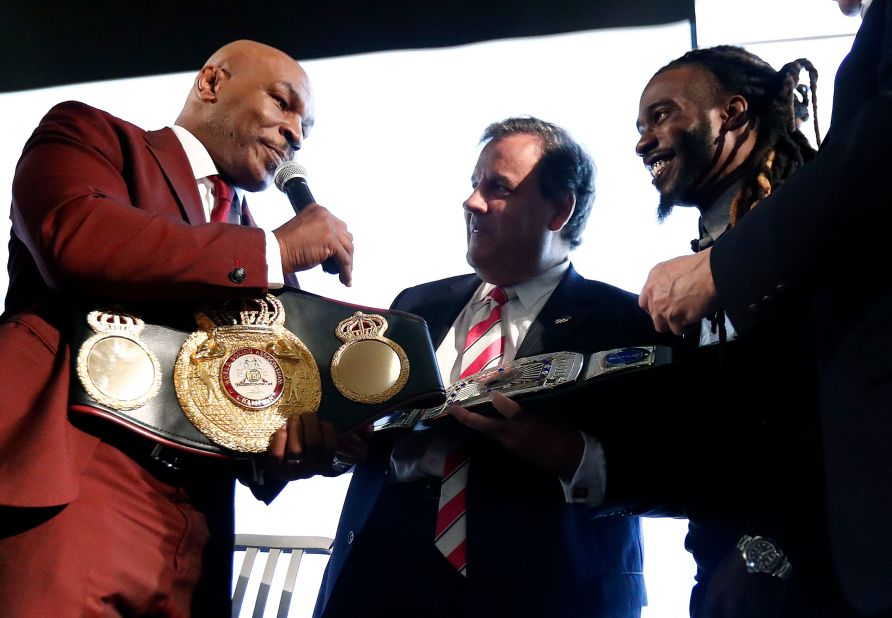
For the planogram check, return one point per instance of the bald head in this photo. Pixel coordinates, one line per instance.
(251, 106)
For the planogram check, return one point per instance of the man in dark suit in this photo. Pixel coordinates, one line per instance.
(528, 550)
(95, 520)
(718, 132)
(778, 266)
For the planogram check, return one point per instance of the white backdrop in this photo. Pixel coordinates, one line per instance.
(392, 153)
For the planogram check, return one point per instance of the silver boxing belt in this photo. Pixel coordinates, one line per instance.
(534, 376)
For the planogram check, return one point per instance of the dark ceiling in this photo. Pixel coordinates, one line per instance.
(44, 44)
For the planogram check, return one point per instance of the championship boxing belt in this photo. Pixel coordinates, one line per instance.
(222, 380)
(536, 377)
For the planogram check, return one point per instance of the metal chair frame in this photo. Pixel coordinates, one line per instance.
(252, 544)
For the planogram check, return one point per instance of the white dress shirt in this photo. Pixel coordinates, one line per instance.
(203, 166)
(418, 456)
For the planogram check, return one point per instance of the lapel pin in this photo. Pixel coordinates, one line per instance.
(563, 319)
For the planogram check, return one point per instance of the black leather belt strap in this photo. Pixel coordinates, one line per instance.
(313, 319)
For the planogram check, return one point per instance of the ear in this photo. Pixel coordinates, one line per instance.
(208, 82)
(565, 209)
(734, 114)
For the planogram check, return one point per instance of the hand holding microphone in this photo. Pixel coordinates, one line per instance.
(314, 236)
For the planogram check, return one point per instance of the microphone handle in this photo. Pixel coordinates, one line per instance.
(298, 192)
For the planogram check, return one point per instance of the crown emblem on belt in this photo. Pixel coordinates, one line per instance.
(115, 368)
(368, 368)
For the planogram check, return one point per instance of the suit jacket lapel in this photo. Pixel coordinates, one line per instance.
(555, 325)
(171, 157)
(441, 307)
(561, 316)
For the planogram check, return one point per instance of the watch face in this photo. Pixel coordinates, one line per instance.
(761, 555)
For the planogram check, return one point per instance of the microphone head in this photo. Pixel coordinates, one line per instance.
(286, 171)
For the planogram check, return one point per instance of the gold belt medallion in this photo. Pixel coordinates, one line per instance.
(115, 368)
(243, 374)
(368, 368)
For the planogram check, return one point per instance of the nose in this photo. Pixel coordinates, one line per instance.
(475, 202)
(293, 134)
(646, 143)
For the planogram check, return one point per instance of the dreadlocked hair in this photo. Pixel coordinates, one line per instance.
(777, 103)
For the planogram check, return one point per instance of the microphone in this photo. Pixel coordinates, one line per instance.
(291, 179)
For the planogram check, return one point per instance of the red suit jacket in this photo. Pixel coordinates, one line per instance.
(100, 208)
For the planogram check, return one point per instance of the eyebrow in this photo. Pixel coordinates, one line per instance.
(308, 122)
(663, 101)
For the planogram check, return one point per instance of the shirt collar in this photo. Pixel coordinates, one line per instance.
(199, 159)
(716, 219)
(532, 290)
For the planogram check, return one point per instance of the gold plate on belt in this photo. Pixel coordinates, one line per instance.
(243, 374)
(368, 368)
(115, 368)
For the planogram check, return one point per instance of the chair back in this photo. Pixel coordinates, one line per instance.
(274, 546)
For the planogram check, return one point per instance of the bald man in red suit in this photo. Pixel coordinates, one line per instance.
(90, 522)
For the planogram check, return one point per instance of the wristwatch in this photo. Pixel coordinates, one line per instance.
(762, 555)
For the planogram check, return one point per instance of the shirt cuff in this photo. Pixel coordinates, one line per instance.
(274, 275)
(588, 485)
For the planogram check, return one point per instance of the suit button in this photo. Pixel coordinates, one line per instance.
(237, 275)
(350, 537)
(754, 308)
(767, 300)
(781, 288)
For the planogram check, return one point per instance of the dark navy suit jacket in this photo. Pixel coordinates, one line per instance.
(815, 252)
(529, 553)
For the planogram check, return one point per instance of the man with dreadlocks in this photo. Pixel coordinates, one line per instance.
(718, 132)
(778, 266)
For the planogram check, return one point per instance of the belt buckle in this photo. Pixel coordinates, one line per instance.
(167, 457)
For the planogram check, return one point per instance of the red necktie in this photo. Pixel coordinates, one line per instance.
(484, 347)
(222, 199)
(485, 342)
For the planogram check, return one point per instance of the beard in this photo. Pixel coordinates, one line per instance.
(694, 157)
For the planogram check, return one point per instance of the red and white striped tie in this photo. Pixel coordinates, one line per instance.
(485, 342)
(484, 347)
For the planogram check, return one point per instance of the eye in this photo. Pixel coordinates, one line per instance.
(660, 115)
(280, 101)
(500, 188)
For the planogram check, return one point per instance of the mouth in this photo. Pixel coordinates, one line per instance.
(474, 228)
(278, 153)
(656, 165)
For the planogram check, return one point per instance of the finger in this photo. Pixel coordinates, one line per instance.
(365, 431)
(644, 299)
(678, 327)
(276, 451)
(359, 454)
(505, 406)
(647, 300)
(351, 453)
(346, 238)
(660, 323)
(352, 444)
(345, 261)
(477, 422)
(646, 296)
(355, 445)
(329, 437)
(312, 432)
(294, 449)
